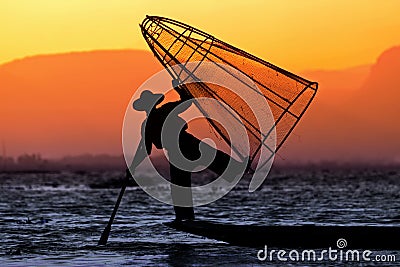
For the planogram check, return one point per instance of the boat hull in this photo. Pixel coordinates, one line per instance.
(299, 236)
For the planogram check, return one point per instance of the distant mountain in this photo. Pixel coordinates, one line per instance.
(378, 108)
(74, 103)
(354, 116)
(69, 104)
(381, 91)
(336, 86)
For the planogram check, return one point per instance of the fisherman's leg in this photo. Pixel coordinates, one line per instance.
(220, 164)
(182, 178)
(190, 146)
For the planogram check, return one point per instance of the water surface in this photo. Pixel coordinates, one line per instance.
(77, 206)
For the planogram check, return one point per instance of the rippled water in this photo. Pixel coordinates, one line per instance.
(78, 209)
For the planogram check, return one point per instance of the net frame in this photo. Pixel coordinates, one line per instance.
(153, 27)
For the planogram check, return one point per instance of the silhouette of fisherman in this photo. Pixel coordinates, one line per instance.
(187, 145)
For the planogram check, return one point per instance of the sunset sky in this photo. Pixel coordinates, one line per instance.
(58, 103)
(297, 35)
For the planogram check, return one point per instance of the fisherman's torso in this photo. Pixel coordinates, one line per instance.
(162, 127)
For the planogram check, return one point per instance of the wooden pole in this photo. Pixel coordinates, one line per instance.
(107, 229)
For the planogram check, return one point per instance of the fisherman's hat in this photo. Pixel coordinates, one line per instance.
(147, 101)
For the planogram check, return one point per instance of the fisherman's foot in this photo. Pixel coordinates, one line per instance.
(178, 220)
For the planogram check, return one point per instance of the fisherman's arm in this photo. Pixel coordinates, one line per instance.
(140, 155)
(142, 152)
(182, 90)
(185, 97)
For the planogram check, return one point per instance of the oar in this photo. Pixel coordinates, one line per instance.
(107, 230)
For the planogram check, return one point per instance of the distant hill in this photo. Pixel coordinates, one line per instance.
(338, 85)
(354, 116)
(74, 103)
(69, 104)
(381, 91)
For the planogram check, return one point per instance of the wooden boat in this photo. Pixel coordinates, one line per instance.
(298, 236)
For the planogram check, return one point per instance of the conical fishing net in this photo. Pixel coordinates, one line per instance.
(287, 94)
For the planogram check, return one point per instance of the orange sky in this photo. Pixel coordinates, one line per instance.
(296, 35)
(53, 103)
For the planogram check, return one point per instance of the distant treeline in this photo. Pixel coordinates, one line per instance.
(86, 162)
(104, 162)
